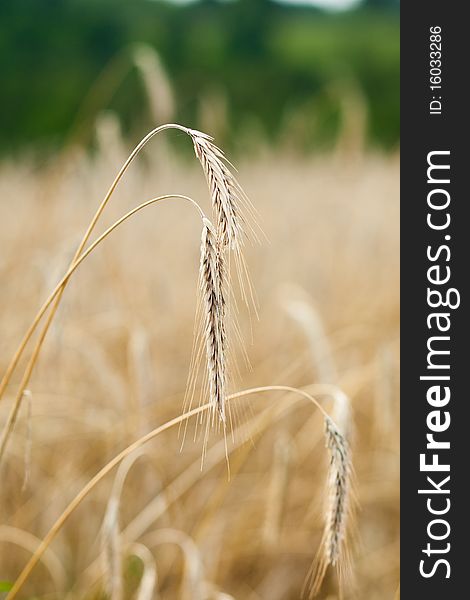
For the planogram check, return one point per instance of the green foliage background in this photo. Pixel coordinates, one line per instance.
(269, 60)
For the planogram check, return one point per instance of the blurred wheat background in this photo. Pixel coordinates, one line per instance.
(116, 360)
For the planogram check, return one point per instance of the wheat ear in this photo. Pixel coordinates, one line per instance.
(226, 194)
(212, 284)
(235, 217)
(334, 548)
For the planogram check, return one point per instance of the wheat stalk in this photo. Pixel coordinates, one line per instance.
(29, 543)
(111, 550)
(111, 541)
(148, 582)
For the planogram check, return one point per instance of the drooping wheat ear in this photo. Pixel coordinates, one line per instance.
(235, 217)
(226, 194)
(212, 282)
(334, 545)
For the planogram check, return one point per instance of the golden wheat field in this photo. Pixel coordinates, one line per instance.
(115, 363)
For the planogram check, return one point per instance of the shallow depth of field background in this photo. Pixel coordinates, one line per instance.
(306, 105)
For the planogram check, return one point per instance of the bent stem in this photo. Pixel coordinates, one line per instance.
(53, 531)
(87, 489)
(56, 294)
(16, 357)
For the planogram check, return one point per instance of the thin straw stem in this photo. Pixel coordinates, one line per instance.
(16, 357)
(58, 290)
(87, 489)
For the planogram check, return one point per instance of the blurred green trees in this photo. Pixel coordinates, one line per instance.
(279, 69)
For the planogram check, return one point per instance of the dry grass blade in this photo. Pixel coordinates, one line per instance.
(276, 491)
(29, 542)
(193, 578)
(57, 526)
(148, 582)
(111, 544)
(334, 546)
(29, 441)
(300, 307)
(111, 535)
